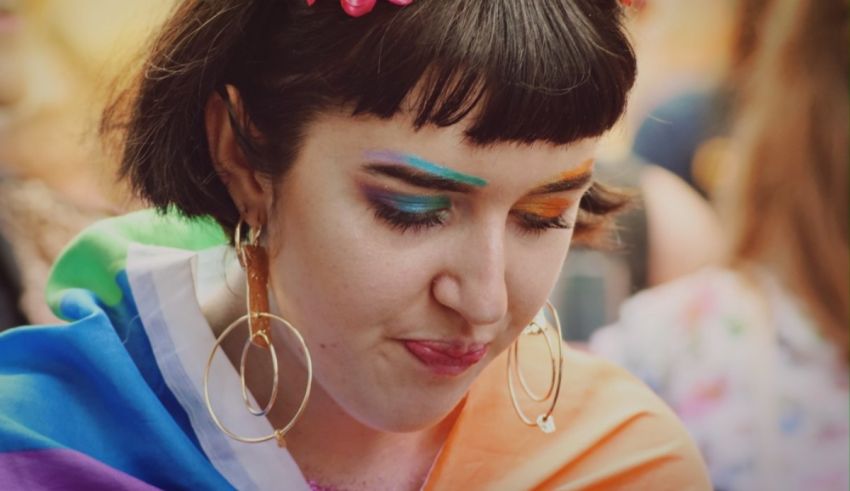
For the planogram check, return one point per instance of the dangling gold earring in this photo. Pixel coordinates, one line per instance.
(544, 421)
(253, 257)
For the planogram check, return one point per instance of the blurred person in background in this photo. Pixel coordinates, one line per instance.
(754, 356)
(686, 132)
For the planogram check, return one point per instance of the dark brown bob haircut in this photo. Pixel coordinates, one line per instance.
(521, 71)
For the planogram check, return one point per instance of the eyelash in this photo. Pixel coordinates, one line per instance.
(404, 221)
(535, 224)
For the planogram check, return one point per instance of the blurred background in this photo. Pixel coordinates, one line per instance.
(58, 63)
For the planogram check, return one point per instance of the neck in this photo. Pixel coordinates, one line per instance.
(335, 450)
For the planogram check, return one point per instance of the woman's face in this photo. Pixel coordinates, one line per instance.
(410, 259)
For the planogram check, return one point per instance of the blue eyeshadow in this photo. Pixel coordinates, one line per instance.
(409, 203)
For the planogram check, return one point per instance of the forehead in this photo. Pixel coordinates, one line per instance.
(345, 140)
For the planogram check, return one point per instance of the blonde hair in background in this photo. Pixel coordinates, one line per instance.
(789, 203)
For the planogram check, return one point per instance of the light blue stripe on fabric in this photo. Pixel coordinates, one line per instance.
(75, 386)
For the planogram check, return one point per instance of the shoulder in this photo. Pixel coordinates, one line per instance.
(612, 432)
(75, 403)
(683, 230)
(628, 437)
(60, 402)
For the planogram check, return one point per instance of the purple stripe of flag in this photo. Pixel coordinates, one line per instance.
(59, 468)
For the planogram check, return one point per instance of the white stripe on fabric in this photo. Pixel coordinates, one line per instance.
(164, 288)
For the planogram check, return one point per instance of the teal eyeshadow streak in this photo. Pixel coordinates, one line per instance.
(409, 203)
(429, 167)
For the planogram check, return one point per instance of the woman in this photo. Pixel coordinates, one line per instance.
(753, 357)
(401, 186)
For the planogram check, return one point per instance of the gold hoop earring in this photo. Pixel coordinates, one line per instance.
(254, 259)
(544, 421)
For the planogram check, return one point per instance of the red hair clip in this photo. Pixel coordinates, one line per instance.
(635, 4)
(356, 8)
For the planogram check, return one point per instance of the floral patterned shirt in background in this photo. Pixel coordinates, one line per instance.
(762, 393)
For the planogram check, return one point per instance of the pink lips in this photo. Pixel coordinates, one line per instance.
(446, 358)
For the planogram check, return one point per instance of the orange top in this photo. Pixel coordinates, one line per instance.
(612, 433)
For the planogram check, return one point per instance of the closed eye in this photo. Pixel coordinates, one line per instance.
(532, 223)
(405, 211)
(537, 213)
(404, 220)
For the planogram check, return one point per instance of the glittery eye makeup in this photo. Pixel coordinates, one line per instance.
(542, 209)
(408, 203)
(404, 211)
(539, 213)
(543, 206)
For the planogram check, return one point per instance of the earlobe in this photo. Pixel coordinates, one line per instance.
(248, 190)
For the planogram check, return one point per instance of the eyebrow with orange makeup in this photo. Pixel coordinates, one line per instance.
(537, 202)
(568, 180)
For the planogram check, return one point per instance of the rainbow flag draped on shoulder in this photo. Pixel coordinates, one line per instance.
(101, 402)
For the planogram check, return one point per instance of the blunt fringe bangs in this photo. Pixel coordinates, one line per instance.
(527, 71)
(530, 71)
(524, 71)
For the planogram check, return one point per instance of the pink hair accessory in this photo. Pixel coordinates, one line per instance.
(635, 4)
(357, 8)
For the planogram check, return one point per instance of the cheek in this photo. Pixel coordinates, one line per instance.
(534, 265)
(334, 272)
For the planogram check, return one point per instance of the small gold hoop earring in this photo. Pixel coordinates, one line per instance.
(254, 259)
(544, 421)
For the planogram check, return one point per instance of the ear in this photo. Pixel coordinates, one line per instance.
(250, 191)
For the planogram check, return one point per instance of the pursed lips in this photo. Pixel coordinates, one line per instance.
(446, 357)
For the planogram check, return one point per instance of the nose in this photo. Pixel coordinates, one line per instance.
(474, 282)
